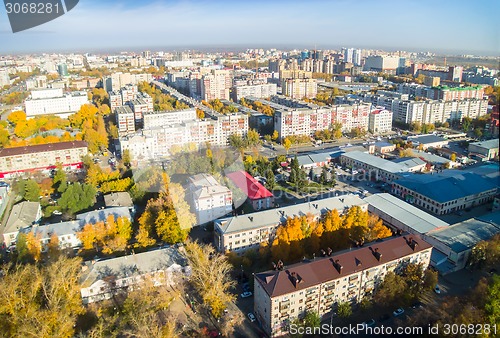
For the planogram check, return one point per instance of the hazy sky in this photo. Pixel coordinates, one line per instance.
(439, 25)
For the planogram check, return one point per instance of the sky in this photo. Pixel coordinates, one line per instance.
(442, 26)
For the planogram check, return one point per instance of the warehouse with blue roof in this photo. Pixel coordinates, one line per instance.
(445, 192)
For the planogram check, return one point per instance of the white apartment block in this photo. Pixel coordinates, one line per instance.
(118, 80)
(142, 104)
(303, 121)
(115, 100)
(168, 118)
(380, 121)
(259, 91)
(210, 199)
(125, 120)
(4, 78)
(299, 88)
(243, 232)
(287, 293)
(53, 101)
(162, 130)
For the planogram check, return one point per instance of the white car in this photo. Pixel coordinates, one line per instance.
(56, 212)
(251, 317)
(437, 289)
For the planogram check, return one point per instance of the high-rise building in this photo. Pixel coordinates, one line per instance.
(379, 63)
(216, 85)
(4, 78)
(62, 69)
(125, 120)
(380, 121)
(299, 88)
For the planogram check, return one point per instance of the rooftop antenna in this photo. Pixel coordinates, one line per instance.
(445, 61)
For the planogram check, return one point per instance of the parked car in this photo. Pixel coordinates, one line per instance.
(398, 312)
(417, 305)
(437, 289)
(368, 323)
(56, 212)
(251, 316)
(246, 294)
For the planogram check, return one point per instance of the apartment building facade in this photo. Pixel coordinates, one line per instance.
(299, 88)
(54, 101)
(380, 121)
(282, 295)
(43, 157)
(125, 120)
(243, 232)
(256, 90)
(210, 199)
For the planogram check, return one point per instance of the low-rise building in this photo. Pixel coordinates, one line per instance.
(445, 192)
(373, 167)
(257, 195)
(210, 199)
(428, 141)
(103, 279)
(23, 215)
(281, 296)
(455, 243)
(413, 164)
(42, 157)
(485, 150)
(243, 232)
(54, 102)
(66, 233)
(402, 216)
(384, 147)
(119, 199)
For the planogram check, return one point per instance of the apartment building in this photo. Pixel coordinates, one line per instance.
(445, 192)
(380, 121)
(243, 232)
(118, 80)
(125, 120)
(216, 85)
(380, 63)
(162, 130)
(4, 77)
(168, 118)
(282, 295)
(54, 101)
(456, 93)
(115, 100)
(306, 119)
(43, 157)
(257, 90)
(209, 198)
(142, 104)
(299, 88)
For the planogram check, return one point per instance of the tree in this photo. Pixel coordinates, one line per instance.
(32, 191)
(492, 305)
(391, 292)
(109, 236)
(453, 157)
(430, 279)
(466, 123)
(77, 197)
(287, 144)
(270, 180)
(312, 319)
(275, 135)
(60, 180)
(200, 113)
(478, 132)
(210, 276)
(17, 117)
(344, 309)
(41, 301)
(252, 138)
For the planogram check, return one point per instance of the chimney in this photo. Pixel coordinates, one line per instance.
(377, 254)
(329, 250)
(250, 218)
(338, 266)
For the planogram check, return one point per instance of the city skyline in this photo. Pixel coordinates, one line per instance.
(415, 25)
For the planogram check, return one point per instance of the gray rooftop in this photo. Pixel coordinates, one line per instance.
(427, 139)
(491, 144)
(101, 215)
(376, 162)
(22, 215)
(118, 199)
(465, 235)
(59, 229)
(135, 264)
(405, 213)
(276, 216)
(430, 157)
(409, 162)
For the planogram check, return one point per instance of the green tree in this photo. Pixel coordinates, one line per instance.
(312, 319)
(270, 180)
(77, 197)
(60, 180)
(344, 309)
(466, 123)
(492, 305)
(32, 191)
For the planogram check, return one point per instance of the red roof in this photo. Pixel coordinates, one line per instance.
(249, 185)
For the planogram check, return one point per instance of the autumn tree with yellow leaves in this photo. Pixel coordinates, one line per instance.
(109, 236)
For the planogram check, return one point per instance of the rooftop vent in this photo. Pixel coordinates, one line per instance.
(250, 218)
(377, 254)
(337, 266)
